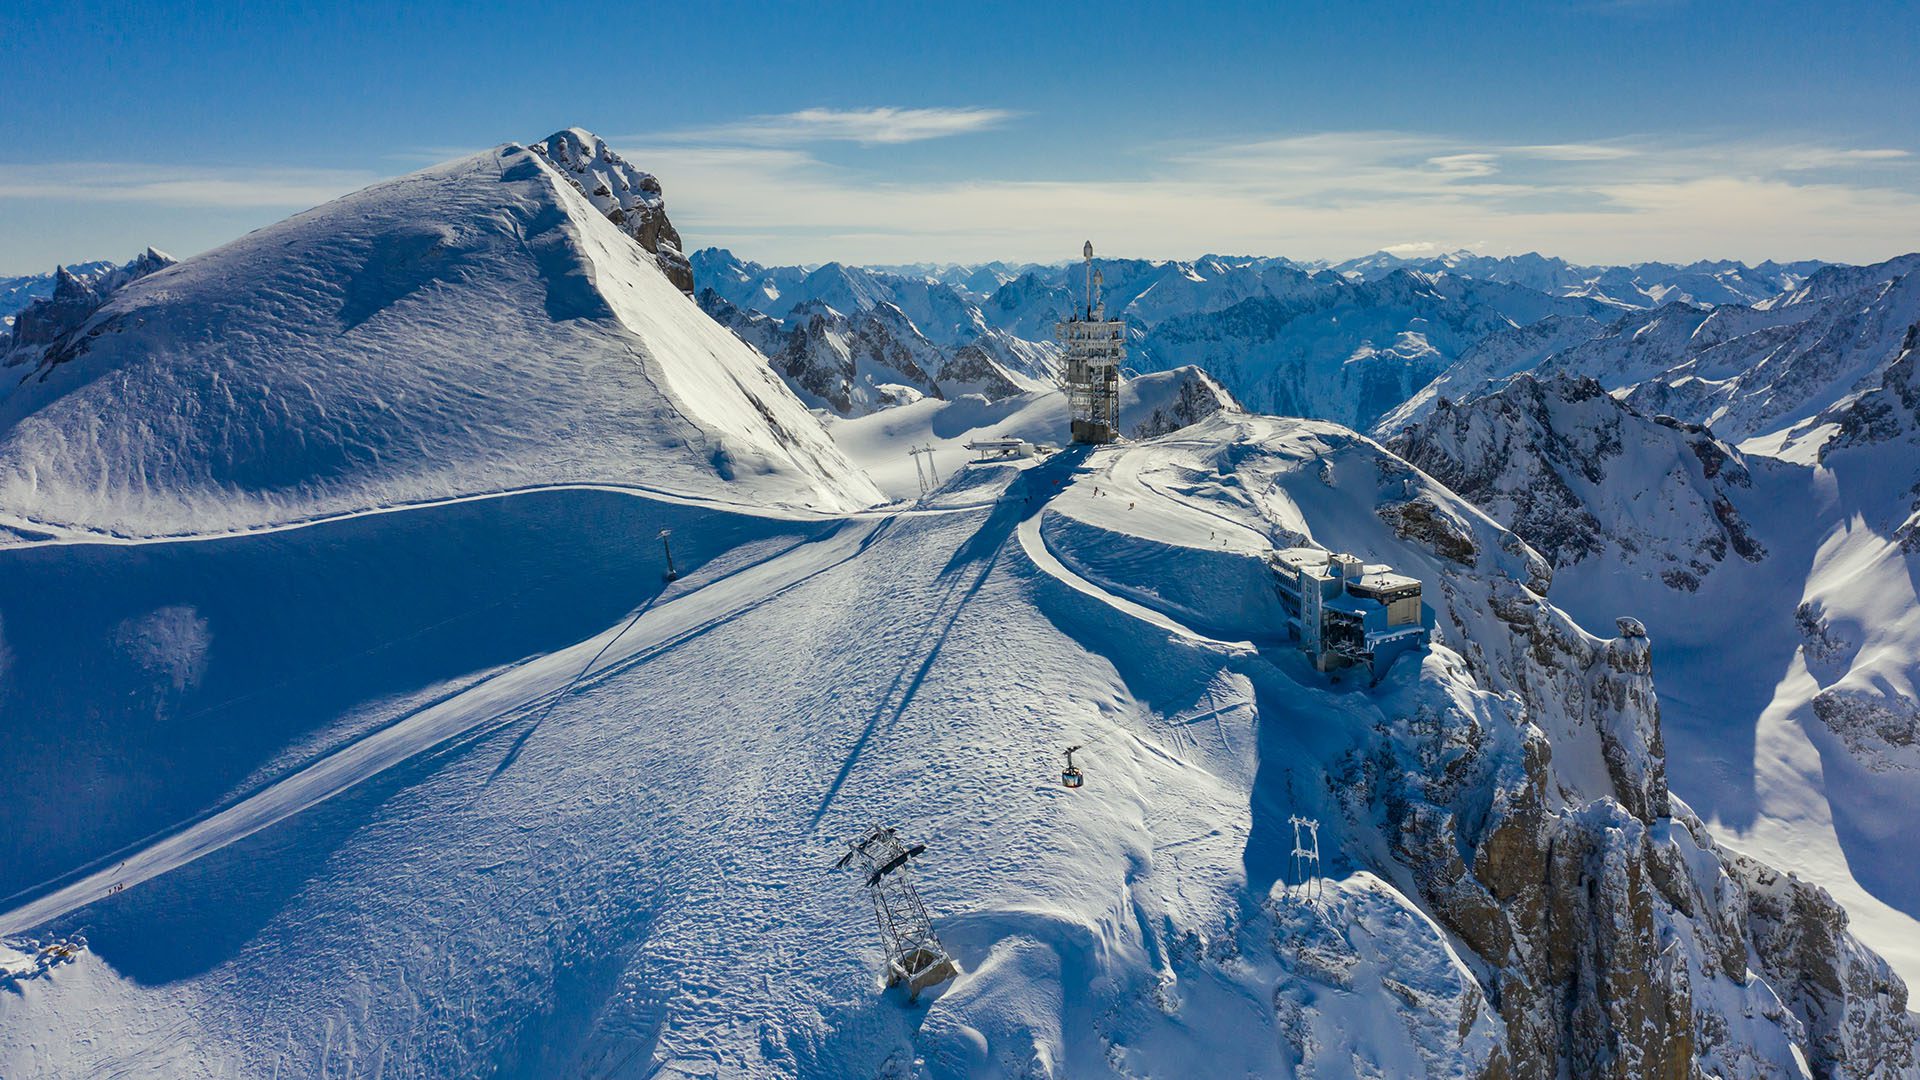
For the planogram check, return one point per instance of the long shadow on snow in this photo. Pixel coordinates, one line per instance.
(197, 917)
(1025, 497)
(148, 683)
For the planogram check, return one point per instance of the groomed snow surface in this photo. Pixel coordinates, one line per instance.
(372, 820)
(447, 869)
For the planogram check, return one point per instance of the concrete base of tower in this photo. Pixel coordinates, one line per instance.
(1093, 432)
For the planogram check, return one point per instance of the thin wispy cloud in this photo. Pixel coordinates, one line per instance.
(176, 185)
(876, 126)
(1328, 194)
(1815, 157)
(1573, 151)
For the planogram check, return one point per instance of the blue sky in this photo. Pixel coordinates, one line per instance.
(1610, 130)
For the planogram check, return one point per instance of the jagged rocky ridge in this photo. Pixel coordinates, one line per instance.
(1281, 338)
(44, 332)
(1752, 370)
(1640, 285)
(629, 198)
(876, 357)
(18, 292)
(1513, 791)
(1579, 474)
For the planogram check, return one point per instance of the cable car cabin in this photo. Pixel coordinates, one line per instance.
(1070, 777)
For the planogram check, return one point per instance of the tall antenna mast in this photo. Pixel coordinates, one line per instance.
(1088, 252)
(1096, 346)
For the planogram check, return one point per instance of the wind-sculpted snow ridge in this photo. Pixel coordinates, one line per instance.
(609, 857)
(474, 327)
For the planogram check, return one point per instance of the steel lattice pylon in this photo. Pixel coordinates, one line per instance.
(1096, 346)
(915, 956)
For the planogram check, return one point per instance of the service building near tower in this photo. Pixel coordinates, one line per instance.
(1345, 611)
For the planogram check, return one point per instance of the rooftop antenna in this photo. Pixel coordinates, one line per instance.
(1088, 252)
(915, 956)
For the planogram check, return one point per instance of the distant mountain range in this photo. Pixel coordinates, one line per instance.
(452, 631)
(1373, 341)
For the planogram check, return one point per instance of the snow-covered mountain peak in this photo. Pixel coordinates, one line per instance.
(1580, 475)
(628, 196)
(476, 326)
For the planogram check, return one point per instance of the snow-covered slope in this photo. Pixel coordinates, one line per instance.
(508, 869)
(1748, 371)
(473, 327)
(1339, 350)
(1150, 405)
(1485, 365)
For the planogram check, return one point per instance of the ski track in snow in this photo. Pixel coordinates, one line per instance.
(499, 700)
(509, 696)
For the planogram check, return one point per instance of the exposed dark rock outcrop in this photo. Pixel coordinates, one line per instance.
(49, 331)
(630, 198)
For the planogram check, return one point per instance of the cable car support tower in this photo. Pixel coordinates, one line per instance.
(915, 956)
(1096, 347)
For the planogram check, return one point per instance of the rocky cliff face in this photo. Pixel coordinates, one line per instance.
(1619, 939)
(628, 197)
(1581, 475)
(1509, 887)
(875, 358)
(46, 331)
